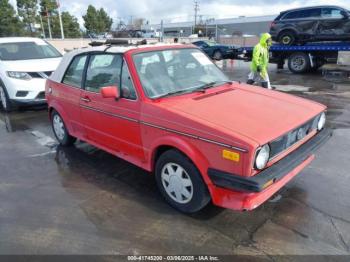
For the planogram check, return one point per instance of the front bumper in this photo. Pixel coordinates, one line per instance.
(230, 54)
(247, 193)
(28, 102)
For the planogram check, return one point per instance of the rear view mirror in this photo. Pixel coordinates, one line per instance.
(344, 14)
(110, 92)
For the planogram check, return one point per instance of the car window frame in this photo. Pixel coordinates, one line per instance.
(302, 18)
(124, 62)
(84, 70)
(87, 65)
(332, 18)
(89, 54)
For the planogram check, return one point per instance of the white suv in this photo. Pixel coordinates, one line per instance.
(25, 64)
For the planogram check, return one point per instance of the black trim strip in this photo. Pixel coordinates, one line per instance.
(166, 129)
(272, 174)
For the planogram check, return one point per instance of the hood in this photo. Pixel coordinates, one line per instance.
(258, 114)
(32, 65)
(263, 39)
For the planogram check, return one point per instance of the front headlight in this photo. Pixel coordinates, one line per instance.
(321, 122)
(262, 157)
(19, 75)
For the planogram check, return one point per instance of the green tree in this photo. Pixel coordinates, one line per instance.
(97, 21)
(48, 9)
(71, 26)
(104, 20)
(10, 25)
(90, 20)
(27, 10)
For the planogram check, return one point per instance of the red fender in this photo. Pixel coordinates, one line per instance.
(187, 148)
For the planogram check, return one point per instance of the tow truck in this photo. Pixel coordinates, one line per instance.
(300, 58)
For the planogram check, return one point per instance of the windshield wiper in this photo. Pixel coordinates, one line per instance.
(200, 88)
(173, 93)
(206, 86)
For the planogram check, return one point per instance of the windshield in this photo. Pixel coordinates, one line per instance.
(211, 43)
(176, 70)
(27, 50)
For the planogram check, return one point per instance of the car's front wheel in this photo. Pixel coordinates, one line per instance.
(60, 130)
(180, 182)
(217, 55)
(4, 99)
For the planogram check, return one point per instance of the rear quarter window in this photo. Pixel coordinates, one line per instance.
(74, 73)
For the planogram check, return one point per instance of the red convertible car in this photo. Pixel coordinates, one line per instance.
(170, 110)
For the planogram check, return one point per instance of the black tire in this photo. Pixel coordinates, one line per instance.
(287, 38)
(200, 194)
(217, 55)
(65, 139)
(299, 63)
(5, 102)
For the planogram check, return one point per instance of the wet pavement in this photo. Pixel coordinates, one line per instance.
(81, 200)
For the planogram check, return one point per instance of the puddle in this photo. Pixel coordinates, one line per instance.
(292, 88)
(10, 124)
(43, 139)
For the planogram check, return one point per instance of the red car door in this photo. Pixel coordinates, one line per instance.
(68, 95)
(110, 123)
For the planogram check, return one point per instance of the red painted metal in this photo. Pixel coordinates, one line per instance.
(236, 117)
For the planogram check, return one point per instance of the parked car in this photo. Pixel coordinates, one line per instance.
(311, 24)
(25, 64)
(170, 110)
(216, 51)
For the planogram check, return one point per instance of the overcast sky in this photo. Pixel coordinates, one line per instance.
(183, 10)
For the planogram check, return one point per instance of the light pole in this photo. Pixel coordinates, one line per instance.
(60, 17)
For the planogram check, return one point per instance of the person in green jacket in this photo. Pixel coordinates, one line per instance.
(260, 62)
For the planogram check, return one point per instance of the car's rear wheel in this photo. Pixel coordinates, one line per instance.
(299, 63)
(180, 182)
(60, 130)
(4, 99)
(217, 55)
(287, 38)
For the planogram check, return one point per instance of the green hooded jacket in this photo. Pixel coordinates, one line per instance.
(261, 55)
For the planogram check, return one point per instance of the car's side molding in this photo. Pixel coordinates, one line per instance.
(243, 150)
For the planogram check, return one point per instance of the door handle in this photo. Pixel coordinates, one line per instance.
(85, 99)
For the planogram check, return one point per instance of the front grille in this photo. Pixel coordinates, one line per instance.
(284, 142)
(41, 95)
(34, 75)
(45, 74)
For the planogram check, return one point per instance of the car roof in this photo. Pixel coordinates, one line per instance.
(312, 7)
(20, 39)
(109, 49)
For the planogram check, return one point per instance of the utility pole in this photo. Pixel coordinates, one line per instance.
(161, 37)
(48, 23)
(60, 18)
(196, 10)
(42, 26)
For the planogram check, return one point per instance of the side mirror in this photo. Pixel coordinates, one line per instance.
(344, 14)
(110, 92)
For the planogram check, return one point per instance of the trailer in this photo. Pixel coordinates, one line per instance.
(300, 58)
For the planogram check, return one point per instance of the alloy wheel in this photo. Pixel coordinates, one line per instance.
(286, 40)
(298, 63)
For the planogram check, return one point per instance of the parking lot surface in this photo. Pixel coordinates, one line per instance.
(81, 200)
